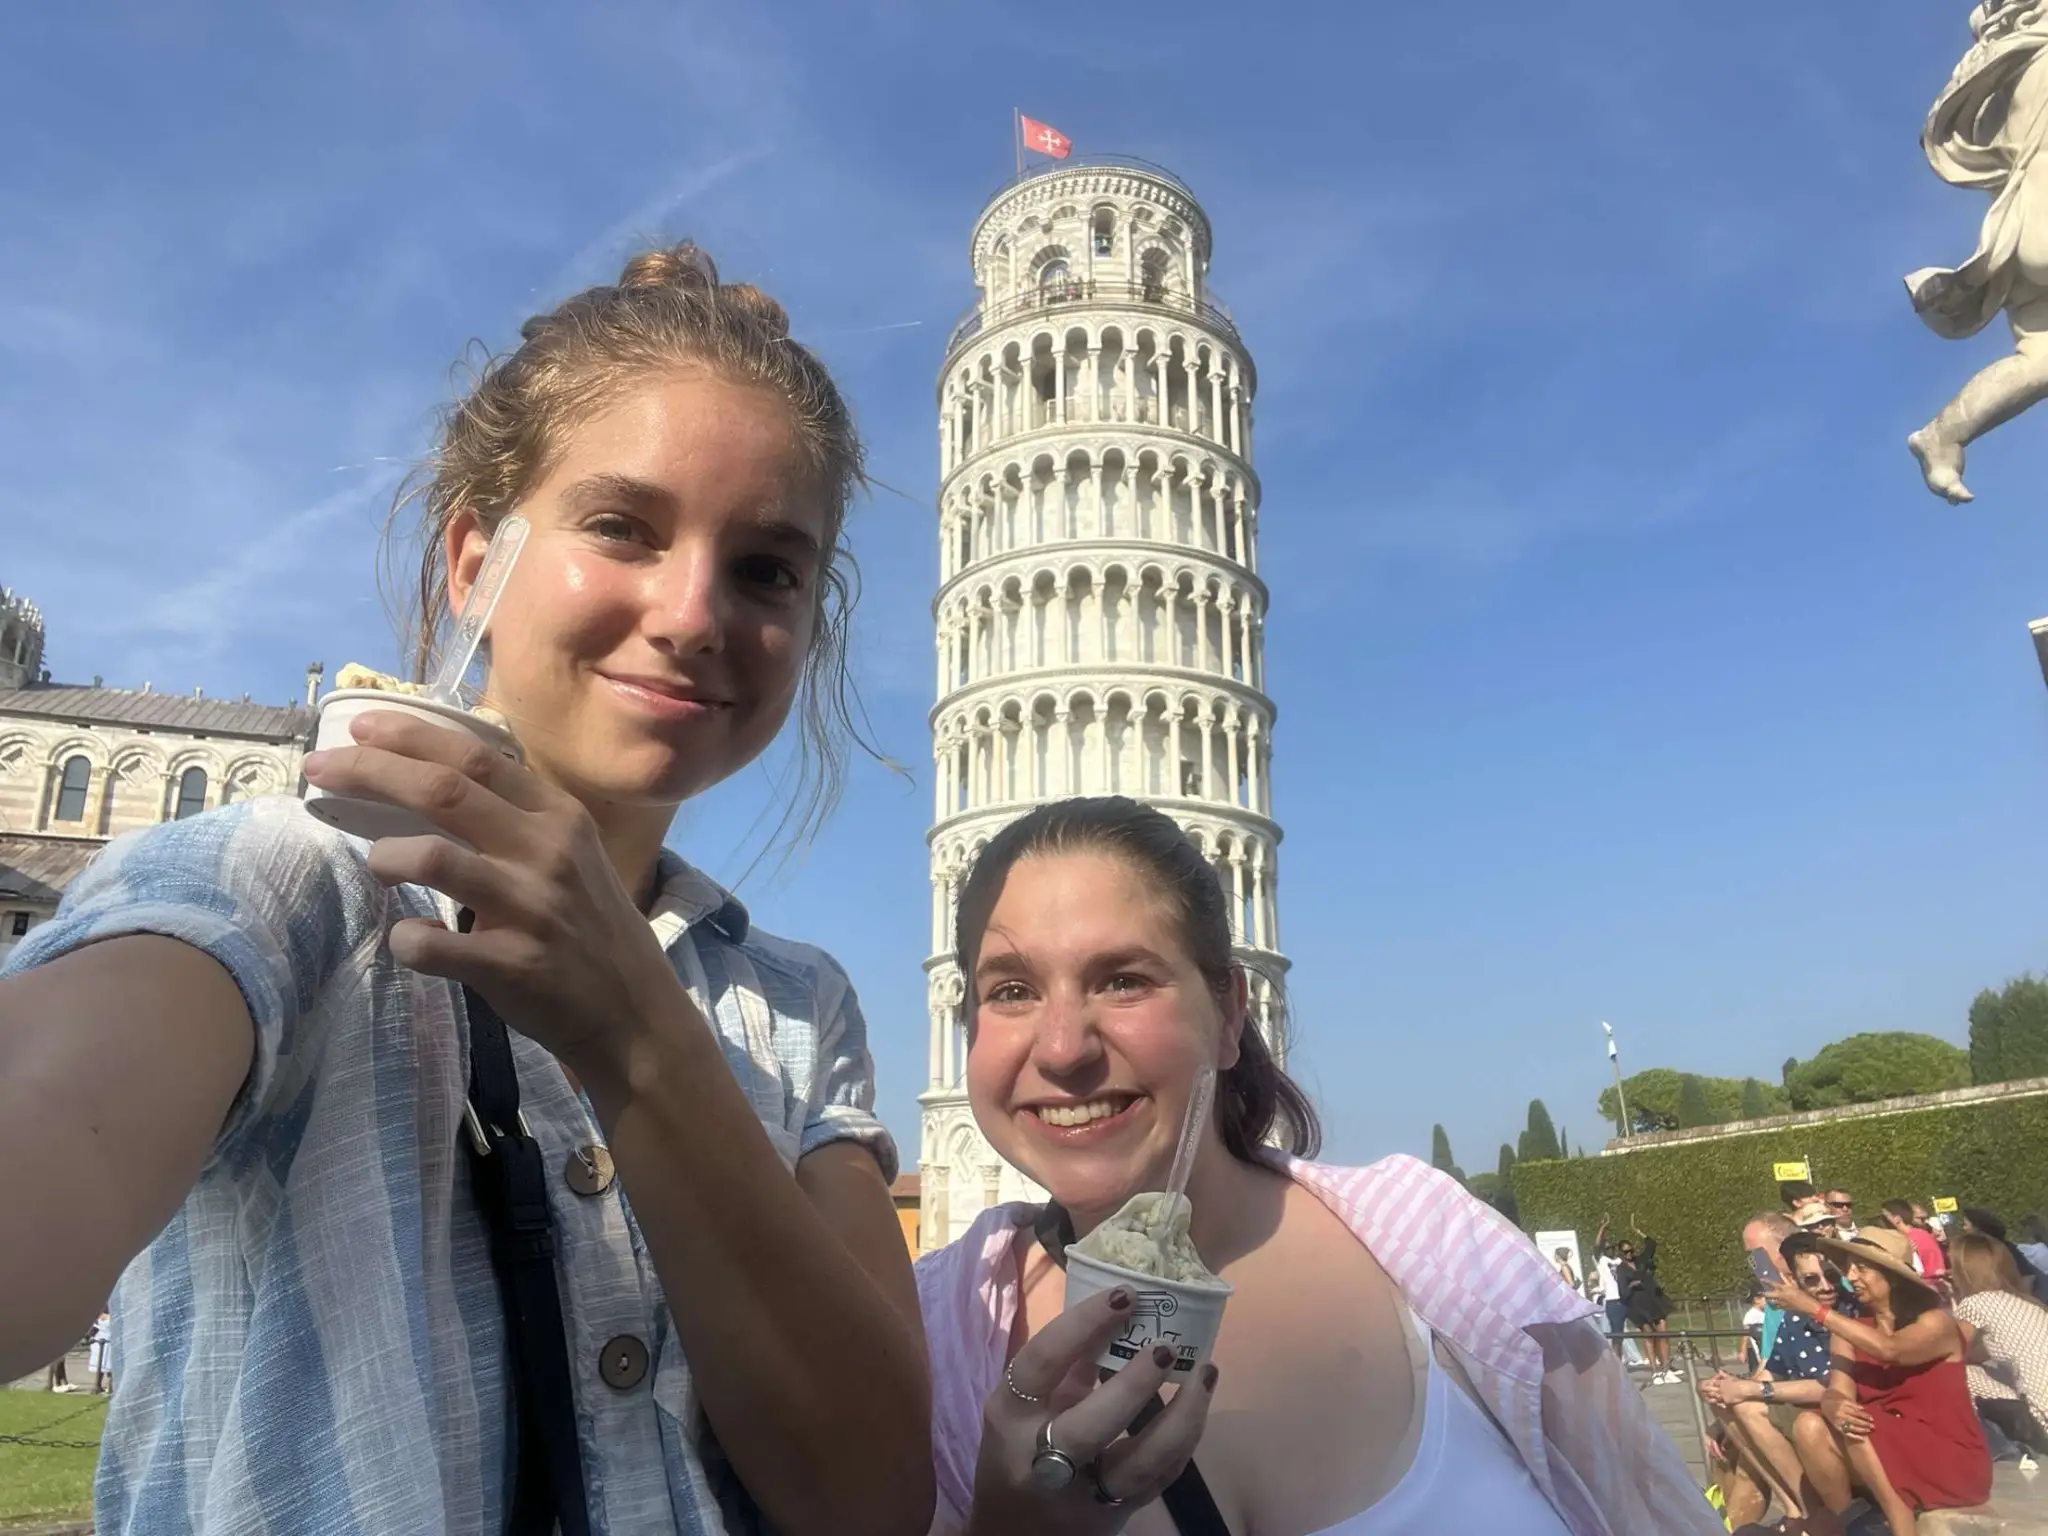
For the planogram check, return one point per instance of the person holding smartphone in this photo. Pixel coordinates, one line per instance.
(1756, 1414)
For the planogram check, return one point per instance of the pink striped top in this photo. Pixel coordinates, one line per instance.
(1539, 1366)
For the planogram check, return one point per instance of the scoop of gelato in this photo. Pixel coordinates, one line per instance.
(1149, 1236)
(355, 675)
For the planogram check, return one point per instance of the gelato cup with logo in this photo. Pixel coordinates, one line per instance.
(361, 692)
(1176, 1301)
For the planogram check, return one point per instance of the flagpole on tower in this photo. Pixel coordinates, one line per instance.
(1017, 129)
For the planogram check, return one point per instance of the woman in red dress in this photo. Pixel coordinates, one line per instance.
(1897, 1421)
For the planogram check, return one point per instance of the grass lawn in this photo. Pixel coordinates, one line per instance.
(48, 1484)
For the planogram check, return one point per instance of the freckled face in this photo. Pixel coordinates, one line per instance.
(652, 636)
(1091, 1024)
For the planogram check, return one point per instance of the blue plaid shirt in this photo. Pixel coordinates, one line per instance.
(315, 1343)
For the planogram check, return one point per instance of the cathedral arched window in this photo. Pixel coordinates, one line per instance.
(71, 788)
(191, 793)
(1053, 279)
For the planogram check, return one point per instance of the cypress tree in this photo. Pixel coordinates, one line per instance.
(1539, 1141)
(1440, 1153)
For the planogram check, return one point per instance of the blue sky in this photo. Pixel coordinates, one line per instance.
(1624, 669)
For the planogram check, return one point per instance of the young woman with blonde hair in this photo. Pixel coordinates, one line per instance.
(253, 1044)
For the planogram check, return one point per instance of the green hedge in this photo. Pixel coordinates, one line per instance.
(1694, 1199)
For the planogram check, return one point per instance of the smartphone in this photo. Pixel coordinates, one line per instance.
(1760, 1264)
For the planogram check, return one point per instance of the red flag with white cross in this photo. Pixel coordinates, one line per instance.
(1046, 139)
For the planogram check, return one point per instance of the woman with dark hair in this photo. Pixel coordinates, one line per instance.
(1897, 1420)
(1356, 1385)
(2008, 1334)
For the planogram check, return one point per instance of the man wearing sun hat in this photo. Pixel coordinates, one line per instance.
(1905, 1431)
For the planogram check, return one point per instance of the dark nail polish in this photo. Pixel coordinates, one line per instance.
(1162, 1356)
(1209, 1375)
(1120, 1299)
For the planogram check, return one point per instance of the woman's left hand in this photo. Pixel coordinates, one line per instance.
(1789, 1297)
(558, 945)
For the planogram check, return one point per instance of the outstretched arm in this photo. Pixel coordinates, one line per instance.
(118, 1063)
(1929, 1337)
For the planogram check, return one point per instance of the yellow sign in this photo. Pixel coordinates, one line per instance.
(1785, 1173)
(1944, 1205)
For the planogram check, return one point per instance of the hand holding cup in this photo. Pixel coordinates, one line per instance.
(1054, 1453)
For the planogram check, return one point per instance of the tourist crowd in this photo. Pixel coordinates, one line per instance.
(1892, 1359)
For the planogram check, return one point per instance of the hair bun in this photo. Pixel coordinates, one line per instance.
(686, 269)
(757, 307)
(681, 266)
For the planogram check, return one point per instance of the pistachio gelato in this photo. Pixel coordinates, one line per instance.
(356, 675)
(1149, 1236)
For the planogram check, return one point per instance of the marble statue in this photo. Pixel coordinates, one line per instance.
(1989, 129)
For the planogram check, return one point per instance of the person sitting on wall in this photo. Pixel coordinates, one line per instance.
(1753, 1331)
(1756, 1415)
(1928, 1259)
(1793, 1193)
(2008, 1333)
(1976, 1219)
(1896, 1420)
(1842, 1206)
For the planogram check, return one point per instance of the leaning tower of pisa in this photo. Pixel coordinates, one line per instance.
(1100, 616)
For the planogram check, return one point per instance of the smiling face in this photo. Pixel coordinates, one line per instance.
(1810, 1274)
(652, 636)
(1091, 1024)
(1873, 1287)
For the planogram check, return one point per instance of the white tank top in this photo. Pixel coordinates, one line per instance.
(1465, 1475)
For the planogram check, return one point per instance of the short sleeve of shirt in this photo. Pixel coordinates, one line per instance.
(276, 898)
(842, 1104)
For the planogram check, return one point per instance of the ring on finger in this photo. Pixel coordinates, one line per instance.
(1010, 1381)
(1051, 1468)
(1102, 1494)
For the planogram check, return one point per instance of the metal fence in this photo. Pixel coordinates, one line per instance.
(1697, 1353)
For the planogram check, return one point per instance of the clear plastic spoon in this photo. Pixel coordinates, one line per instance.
(1190, 1136)
(475, 617)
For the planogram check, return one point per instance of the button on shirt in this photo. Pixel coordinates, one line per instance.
(1802, 1350)
(315, 1343)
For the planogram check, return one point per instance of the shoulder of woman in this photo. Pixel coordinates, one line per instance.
(266, 867)
(798, 964)
(967, 1264)
(1423, 1225)
(965, 1291)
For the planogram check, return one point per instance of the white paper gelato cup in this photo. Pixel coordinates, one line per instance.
(376, 818)
(1181, 1315)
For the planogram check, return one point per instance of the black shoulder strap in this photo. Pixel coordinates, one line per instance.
(511, 1190)
(1188, 1501)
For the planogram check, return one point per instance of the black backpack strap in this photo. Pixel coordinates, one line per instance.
(1188, 1501)
(510, 1181)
